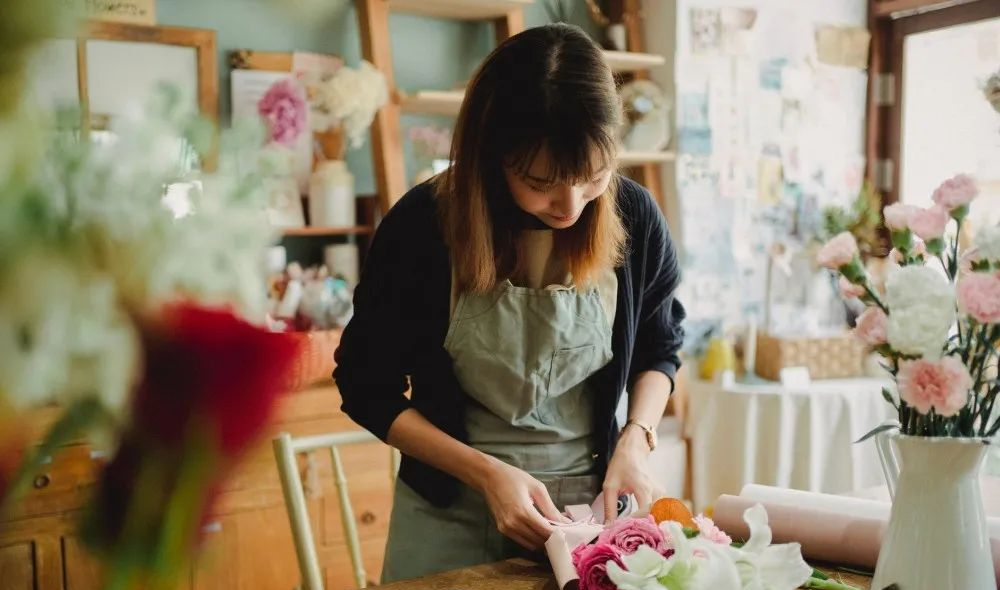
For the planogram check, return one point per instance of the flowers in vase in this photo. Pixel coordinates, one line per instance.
(938, 328)
(347, 98)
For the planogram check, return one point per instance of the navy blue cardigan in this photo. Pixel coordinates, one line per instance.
(402, 312)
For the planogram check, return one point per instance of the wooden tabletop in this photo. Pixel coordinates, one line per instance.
(518, 574)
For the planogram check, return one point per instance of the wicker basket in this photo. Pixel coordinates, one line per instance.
(315, 362)
(826, 358)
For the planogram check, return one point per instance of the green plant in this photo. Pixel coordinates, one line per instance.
(861, 219)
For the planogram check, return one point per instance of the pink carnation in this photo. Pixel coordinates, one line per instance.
(942, 385)
(956, 192)
(849, 290)
(979, 296)
(838, 252)
(591, 563)
(871, 327)
(897, 216)
(284, 110)
(929, 223)
(711, 532)
(627, 534)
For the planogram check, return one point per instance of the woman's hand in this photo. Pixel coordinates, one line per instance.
(520, 504)
(628, 473)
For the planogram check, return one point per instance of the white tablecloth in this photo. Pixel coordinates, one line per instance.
(801, 438)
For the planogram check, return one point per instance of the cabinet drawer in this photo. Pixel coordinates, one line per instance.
(62, 484)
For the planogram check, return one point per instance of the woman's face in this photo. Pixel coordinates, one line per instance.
(557, 205)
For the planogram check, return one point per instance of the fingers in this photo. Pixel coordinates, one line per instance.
(644, 497)
(610, 502)
(540, 496)
(526, 527)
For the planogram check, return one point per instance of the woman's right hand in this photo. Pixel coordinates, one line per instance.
(520, 504)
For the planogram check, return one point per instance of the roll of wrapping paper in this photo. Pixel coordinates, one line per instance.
(832, 529)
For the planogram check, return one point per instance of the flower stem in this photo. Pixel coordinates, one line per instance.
(875, 298)
(827, 585)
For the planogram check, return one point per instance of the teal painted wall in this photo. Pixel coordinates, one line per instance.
(427, 53)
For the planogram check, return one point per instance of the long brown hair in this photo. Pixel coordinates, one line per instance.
(545, 88)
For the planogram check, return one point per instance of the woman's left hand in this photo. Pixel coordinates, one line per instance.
(628, 473)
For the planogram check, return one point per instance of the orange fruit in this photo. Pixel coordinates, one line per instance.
(666, 509)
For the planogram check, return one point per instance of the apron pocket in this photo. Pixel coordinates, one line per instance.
(570, 367)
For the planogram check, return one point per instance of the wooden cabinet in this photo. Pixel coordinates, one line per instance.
(248, 540)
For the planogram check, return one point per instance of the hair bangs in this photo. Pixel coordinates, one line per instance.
(571, 160)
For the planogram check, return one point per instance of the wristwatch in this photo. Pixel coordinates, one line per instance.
(651, 438)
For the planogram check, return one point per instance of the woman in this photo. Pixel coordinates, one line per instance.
(518, 295)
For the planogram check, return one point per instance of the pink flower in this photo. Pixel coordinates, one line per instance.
(871, 327)
(956, 192)
(849, 290)
(708, 530)
(929, 223)
(839, 251)
(942, 385)
(897, 216)
(591, 562)
(979, 296)
(628, 533)
(284, 110)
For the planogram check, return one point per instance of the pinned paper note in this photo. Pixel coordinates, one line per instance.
(843, 46)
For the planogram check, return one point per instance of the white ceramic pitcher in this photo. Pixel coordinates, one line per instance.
(937, 537)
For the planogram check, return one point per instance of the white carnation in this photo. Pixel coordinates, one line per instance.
(918, 286)
(987, 243)
(920, 330)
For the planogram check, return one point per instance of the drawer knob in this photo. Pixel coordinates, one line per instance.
(367, 517)
(41, 481)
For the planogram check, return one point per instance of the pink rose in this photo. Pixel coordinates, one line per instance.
(284, 110)
(979, 296)
(839, 251)
(942, 385)
(871, 327)
(849, 290)
(628, 533)
(711, 532)
(591, 563)
(956, 192)
(897, 216)
(929, 223)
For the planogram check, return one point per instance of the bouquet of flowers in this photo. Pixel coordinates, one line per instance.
(938, 322)
(669, 549)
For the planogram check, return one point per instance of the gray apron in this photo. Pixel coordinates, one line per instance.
(523, 356)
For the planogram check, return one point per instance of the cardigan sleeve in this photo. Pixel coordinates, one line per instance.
(659, 334)
(372, 359)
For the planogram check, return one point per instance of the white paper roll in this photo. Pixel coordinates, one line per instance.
(342, 259)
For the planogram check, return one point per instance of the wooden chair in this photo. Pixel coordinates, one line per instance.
(286, 448)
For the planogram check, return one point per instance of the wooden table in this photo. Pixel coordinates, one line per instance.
(518, 574)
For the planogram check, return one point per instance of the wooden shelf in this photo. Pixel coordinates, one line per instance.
(358, 230)
(639, 158)
(630, 61)
(459, 9)
(432, 102)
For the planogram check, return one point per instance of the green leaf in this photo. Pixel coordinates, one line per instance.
(887, 396)
(878, 430)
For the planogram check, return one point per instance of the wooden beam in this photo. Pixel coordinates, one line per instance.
(387, 148)
(508, 25)
(896, 8)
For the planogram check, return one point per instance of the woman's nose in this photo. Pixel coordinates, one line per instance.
(568, 199)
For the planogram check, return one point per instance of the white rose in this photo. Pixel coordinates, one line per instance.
(918, 286)
(987, 242)
(920, 330)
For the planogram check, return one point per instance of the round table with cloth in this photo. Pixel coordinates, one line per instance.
(794, 437)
